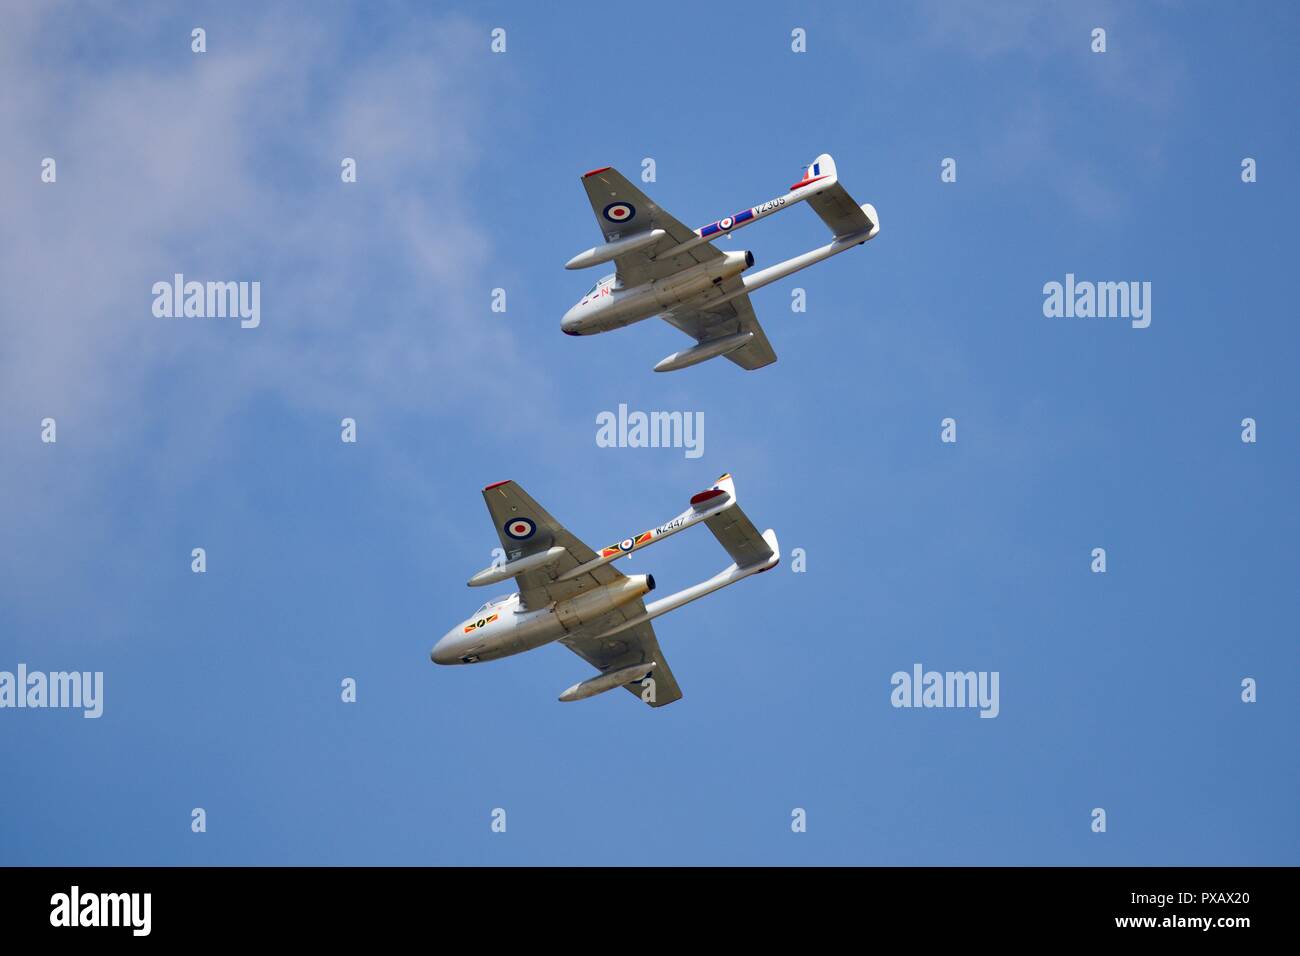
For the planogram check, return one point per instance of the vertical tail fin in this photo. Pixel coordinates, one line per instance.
(821, 168)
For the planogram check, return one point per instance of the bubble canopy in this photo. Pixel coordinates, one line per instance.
(497, 600)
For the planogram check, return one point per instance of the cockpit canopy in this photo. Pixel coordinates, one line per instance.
(503, 599)
(603, 280)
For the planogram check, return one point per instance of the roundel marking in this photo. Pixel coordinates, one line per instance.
(619, 211)
(626, 544)
(519, 528)
(725, 224)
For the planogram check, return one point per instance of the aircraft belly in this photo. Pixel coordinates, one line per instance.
(621, 314)
(541, 629)
(670, 295)
(520, 636)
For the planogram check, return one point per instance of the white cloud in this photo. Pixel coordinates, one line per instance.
(225, 166)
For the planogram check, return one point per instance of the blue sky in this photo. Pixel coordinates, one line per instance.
(325, 560)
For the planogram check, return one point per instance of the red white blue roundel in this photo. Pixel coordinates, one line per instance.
(725, 224)
(519, 528)
(619, 211)
(627, 544)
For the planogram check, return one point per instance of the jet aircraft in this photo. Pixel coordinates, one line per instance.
(571, 594)
(663, 268)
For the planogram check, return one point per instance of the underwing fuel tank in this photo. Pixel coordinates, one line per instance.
(491, 575)
(617, 247)
(603, 682)
(710, 348)
(591, 605)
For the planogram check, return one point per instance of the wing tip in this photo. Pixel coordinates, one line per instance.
(497, 484)
(593, 172)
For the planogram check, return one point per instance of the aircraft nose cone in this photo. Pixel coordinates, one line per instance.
(444, 652)
(570, 324)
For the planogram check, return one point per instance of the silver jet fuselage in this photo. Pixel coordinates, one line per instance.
(503, 627)
(609, 305)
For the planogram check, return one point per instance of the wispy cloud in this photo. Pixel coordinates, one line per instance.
(1140, 77)
(225, 166)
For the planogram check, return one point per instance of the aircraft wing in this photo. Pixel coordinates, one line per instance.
(733, 316)
(636, 645)
(622, 210)
(525, 528)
